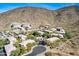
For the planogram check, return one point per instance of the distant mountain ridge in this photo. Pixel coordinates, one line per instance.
(64, 17)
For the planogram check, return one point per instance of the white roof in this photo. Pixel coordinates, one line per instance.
(39, 38)
(9, 48)
(26, 25)
(61, 36)
(17, 31)
(15, 24)
(41, 32)
(12, 39)
(53, 29)
(23, 37)
(61, 30)
(54, 34)
(48, 31)
(53, 39)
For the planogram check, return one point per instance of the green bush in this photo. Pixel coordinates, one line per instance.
(18, 40)
(1, 43)
(15, 52)
(28, 49)
(17, 45)
(30, 36)
(29, 46)
(4, 42)
(19, 51)
(36, 33)
(46, 35)
(67, 35)
(22, 50)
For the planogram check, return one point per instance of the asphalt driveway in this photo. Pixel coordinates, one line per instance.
(37, 50)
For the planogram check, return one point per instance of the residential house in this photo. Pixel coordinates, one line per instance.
(60, 30)
(26, 26)
(12, 39)
(9, 48)
(22, 37)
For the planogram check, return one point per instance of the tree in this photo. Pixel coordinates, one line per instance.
(1, 43)
(22, 50)
(4, 42)
(19, 51)
(28, 49)
(18, 40)
(35, 33)
(15, 52)
(29, 46)
(46, 35)
(30, 36)
(17, 45)
(67, 35)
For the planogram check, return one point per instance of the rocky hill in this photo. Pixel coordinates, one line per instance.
(66, 16)
(34, 16)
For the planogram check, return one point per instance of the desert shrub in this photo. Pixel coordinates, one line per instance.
(30, 36)
(35, 39)
(22, 50)
(67, 35)
(1, 43)
(15, 52)
(18, 40)
(19, 51)
(29, 46)
(28, 49)
(4, 42)
(49, 53)
(17, 45)
(35, 33)
(46, 35)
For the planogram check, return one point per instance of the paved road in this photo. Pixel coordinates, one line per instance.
(2, 52)
(37, 50)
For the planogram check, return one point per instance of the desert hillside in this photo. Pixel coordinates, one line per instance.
(66, 17)
(34, 16)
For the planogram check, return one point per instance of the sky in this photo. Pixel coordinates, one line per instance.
(51, 6)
